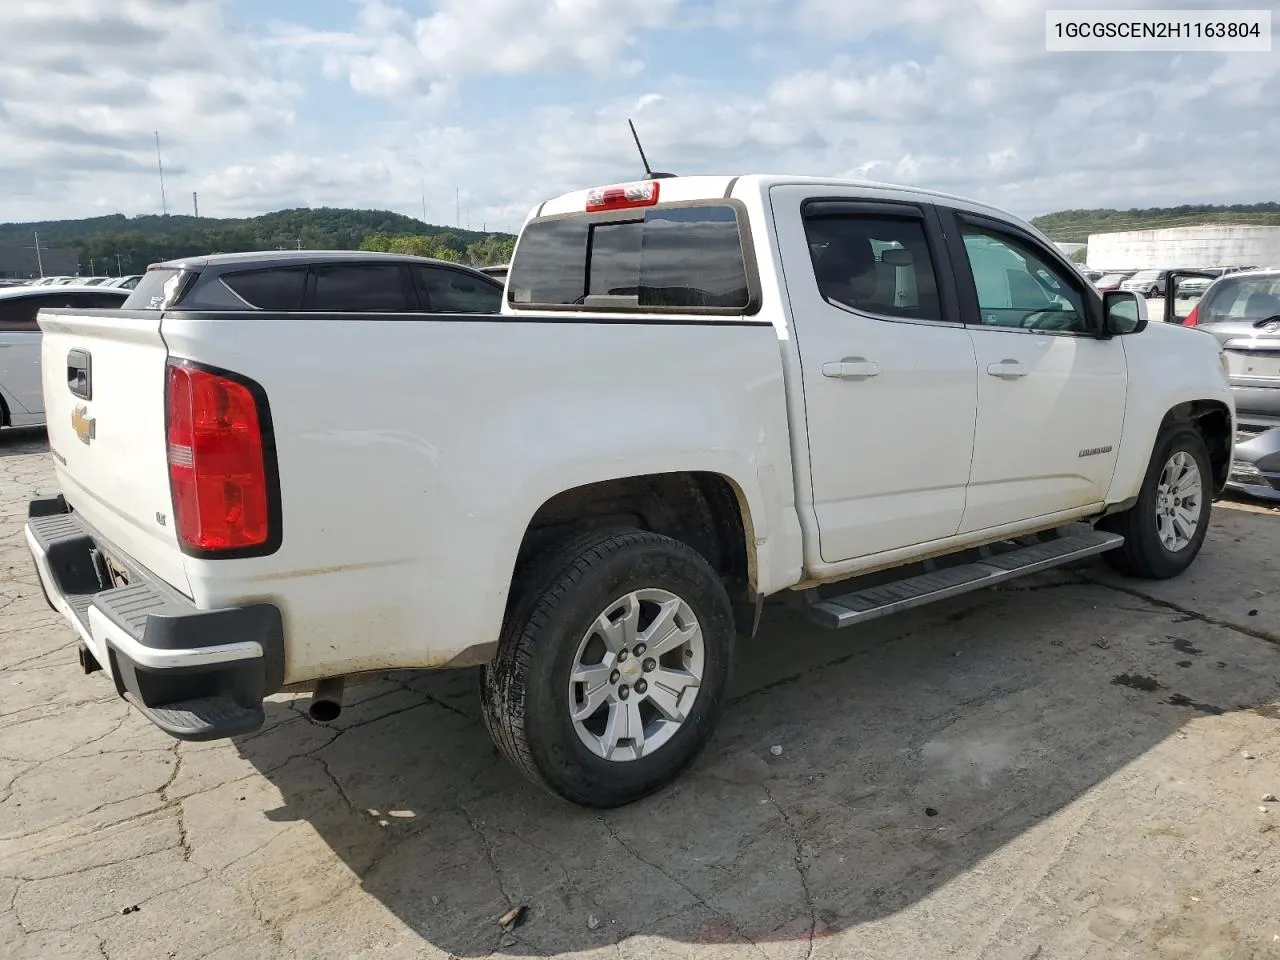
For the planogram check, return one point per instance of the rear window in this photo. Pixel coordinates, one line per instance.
(156, 290)
(680, 259)
(1241, 299)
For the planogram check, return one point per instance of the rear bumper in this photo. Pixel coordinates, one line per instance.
(196, 674)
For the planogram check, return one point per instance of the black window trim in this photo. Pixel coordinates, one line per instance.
(968, 289)
(754, 298)
(935, 240)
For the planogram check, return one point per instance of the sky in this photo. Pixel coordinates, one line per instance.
(484, 107)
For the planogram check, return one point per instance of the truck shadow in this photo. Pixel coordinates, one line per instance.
(17, 441)
(910, 751)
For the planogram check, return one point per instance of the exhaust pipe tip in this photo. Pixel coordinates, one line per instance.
(326, 701)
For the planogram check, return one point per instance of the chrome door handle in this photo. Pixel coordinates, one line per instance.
(1007, 370)
(851, 368)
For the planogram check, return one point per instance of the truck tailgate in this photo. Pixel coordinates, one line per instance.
(104, 395)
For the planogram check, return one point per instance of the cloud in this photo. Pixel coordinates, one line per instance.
(84, 84)
(388, 52)
(957, 95)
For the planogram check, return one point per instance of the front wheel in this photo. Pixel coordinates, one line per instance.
(611, 670)
(1165, 529)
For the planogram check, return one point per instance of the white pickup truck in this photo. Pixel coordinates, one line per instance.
(700, 392)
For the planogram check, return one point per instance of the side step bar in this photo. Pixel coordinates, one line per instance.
(880, 601)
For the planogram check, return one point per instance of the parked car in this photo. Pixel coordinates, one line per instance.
(338, 281)
(126, 282)
(21, 400)
(1242, 310)
(590, 494)
(51, 281)
(498, 271)
(1110, 282)
(1149, 283)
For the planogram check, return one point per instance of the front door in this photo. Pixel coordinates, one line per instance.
(1051, 394)
(887, 369)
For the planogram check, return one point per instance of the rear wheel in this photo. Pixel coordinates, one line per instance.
(1165, 529)
(612, 666)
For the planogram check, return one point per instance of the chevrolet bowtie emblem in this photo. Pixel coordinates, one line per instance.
(84, 426)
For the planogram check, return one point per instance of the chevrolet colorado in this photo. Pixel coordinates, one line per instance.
(701, 391)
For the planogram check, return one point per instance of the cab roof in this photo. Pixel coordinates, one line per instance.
(677, 189)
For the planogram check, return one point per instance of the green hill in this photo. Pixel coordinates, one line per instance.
(139, 241)
(1074, 226)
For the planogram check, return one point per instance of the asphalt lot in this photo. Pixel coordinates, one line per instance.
(1073, 767)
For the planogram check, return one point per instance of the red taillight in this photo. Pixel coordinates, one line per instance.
(217, 469)
(642, 194)
(1193, 317)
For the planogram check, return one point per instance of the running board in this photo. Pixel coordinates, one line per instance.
(880, 601)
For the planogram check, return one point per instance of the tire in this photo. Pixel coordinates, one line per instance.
(1145, 554)
(553, 624)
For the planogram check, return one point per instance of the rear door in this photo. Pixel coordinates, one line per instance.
(104, 394)
(1051, 395)
(888, 369)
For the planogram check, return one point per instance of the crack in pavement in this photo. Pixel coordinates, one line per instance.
(1187, 611)
(698, 898)
(802, 870)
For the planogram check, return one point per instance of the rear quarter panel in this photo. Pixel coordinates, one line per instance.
(414, 451)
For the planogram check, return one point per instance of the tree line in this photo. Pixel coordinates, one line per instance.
(124, 245)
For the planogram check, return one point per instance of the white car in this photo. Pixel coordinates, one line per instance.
(21, 401)
(700, 392)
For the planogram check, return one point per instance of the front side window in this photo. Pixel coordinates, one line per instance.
(874, 263)
(357, 288)
(1018, 288)
(441, 290)
(666, 258)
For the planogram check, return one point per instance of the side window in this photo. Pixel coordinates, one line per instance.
(94, 301)
(358, 287)
(1017, 287)
(441, 290)
(19, 315)
(277, 288)
(874, 263)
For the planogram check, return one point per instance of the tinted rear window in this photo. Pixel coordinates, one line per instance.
(277, 288)
(358, 287)
(675, 258)
(154, 287)
(1243, 299)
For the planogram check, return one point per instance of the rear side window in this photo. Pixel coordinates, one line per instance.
(875, 264)
(358, 287)
(680, 259)
(277, 288)
(441, 290)
(1243, 299)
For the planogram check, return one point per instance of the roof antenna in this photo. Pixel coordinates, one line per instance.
(648, 174)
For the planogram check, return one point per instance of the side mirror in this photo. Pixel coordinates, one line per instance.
(1123, 312)
(1180, 298)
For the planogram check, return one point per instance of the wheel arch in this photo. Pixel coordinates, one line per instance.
(1212, 420)
(708, 511)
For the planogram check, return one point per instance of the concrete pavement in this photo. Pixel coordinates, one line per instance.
(1069, 767)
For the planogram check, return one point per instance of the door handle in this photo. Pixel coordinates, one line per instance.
(80, 374)
(1007, 369)
(851, 368)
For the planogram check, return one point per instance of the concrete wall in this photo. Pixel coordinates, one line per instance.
(1206, 246)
